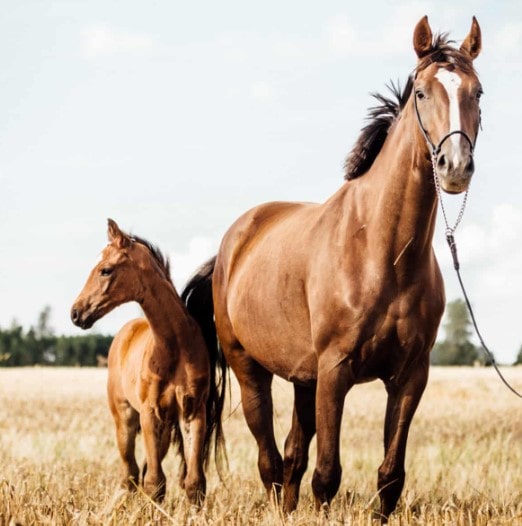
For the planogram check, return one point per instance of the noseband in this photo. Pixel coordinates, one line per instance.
(435, 149)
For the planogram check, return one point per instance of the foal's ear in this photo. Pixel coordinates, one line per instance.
(115, 235)
(422, 37)
(473, 42)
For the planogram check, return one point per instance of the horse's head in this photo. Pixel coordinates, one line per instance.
(114, 280)
(446, 98)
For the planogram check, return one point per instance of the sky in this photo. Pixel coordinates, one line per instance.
(173, 118)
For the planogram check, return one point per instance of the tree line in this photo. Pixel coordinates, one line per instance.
(40, 346)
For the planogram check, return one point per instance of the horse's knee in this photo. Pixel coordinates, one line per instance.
(325, 483)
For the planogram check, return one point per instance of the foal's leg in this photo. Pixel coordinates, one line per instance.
(126, 420)
(297, 444)
(333, 382)
(256, 398)
(193, 427)
(153, 431)
(402, 402)
(164, 444)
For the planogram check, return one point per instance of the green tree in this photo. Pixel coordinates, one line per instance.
(456, 349)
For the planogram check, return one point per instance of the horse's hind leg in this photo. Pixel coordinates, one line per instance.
(297, 444)
(126, 420)
(402, 403)
(256, 397)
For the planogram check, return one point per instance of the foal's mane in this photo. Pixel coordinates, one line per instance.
(161, 259)
(383, 115)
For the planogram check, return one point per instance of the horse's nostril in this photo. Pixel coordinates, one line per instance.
(441, 162)
(470, 167)
(74, 315)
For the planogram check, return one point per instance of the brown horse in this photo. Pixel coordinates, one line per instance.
(161, 376)
(331, 295)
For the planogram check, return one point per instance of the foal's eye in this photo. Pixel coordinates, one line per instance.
(106, 271)
(479, 94)
(420, 94)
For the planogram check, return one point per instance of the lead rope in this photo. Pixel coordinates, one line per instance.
(450, 238)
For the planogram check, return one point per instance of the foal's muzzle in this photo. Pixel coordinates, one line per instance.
(81, 318)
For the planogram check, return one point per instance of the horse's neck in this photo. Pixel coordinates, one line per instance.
(399, 195)
(165, 311)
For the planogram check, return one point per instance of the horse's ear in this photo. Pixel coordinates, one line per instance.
(473, 42)
(422, 37)
(115, 235)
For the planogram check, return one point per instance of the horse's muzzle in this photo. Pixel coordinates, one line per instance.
(454, 169)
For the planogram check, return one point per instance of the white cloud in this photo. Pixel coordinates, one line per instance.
(341, 36)
(343, 39)
(184, 264)
(509, 38)
(262, 90)
(101, 40)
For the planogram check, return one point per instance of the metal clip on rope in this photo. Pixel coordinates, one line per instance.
(453, 248)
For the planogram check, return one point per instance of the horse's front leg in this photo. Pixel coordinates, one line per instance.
(334, 379)
(403, 399)
(126, 420)
(193, 429)
(297, 444)
(153, 429)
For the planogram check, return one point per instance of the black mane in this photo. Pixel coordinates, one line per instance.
(161, 259)
(374, 134)
(382, 116)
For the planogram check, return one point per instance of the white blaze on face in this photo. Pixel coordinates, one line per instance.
(451, 82)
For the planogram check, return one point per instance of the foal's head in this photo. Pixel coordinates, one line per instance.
(118, 276)
(446, 98)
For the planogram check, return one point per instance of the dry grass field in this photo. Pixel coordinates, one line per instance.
(59, 463)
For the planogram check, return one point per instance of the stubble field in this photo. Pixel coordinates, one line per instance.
(59, 463)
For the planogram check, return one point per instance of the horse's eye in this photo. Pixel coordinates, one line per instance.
(420, 94)
(479, 94)
(106, 271)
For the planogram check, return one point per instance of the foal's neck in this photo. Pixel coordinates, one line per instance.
(165, 311)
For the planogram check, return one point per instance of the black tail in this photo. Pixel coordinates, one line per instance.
(197, 296)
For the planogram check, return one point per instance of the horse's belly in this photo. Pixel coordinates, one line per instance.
(280, 343)
(295, 365)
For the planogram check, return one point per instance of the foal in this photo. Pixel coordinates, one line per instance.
(161, 377)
